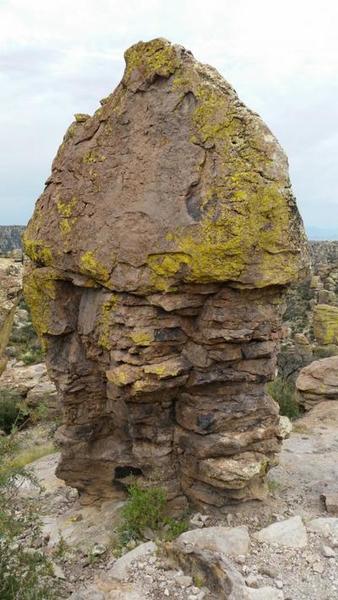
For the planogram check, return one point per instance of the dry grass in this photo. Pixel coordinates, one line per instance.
(28, 455)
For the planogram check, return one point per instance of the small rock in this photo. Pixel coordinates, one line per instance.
(279, 584)
(198, 521)
(318, 567)
(331, 502)
(122, 565)
(98, 550)
(269, 571)
(328, 552)
(184, 580)
(58, 571)
(230, 519)
(252, 581)
(226, 540)
(324, 525)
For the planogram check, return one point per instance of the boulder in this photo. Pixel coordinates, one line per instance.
(318, 382)
(120, 569)
(33, 385)
(290, 533)
(160, 250)
(212, 569)
(10, 292)
(226, 540)
(327, 526)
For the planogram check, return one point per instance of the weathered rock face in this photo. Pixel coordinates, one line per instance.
(160, 248)
(318, 382)
(10, 290)
(10, 238)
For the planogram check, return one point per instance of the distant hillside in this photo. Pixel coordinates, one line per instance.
(320, 233)
(10, 237)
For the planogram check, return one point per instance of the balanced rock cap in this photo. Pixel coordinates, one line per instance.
(172, 180)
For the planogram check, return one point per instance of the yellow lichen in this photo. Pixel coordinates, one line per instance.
(39, 290)
(93, 157)
(245, 220)
(163, 369)
(37, 251)
(142, 337)
(107, 312)
(89, 265)
(66, 209)
(151, 58)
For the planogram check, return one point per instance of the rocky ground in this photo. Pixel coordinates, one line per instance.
(284, 548)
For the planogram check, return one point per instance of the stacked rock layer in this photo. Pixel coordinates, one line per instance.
(160, 250)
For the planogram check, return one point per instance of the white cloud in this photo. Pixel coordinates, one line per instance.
(60, 58)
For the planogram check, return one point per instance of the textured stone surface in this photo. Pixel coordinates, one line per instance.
(227, 540)
(290, 533)
(318, 382)
(120, 569)
(214, 569)
(33, 384)
(160, 249)
(10, 290)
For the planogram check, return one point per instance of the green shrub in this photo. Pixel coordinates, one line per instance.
(24, 573)
(11, 410)
(145, 510)
(283, 392)
(32, 357)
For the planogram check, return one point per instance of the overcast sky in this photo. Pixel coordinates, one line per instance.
(61, 57)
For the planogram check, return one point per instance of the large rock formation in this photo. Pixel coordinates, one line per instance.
(10, 290)
(312, 313)
(160, 248)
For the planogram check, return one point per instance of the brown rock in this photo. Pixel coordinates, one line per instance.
(331, 502)
(318, 382)
(160, 250)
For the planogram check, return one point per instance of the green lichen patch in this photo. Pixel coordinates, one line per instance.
(89, 265)
(39, 291)
(66, 208)
(106, 320)
(93, 157)
(157, 57)
(37, 251)
(142, 337)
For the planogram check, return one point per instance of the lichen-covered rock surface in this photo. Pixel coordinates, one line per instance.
(159, 250)
(10, 290)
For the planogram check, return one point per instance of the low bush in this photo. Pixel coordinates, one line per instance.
(283, 392)
(144, 512)
(11, 410)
